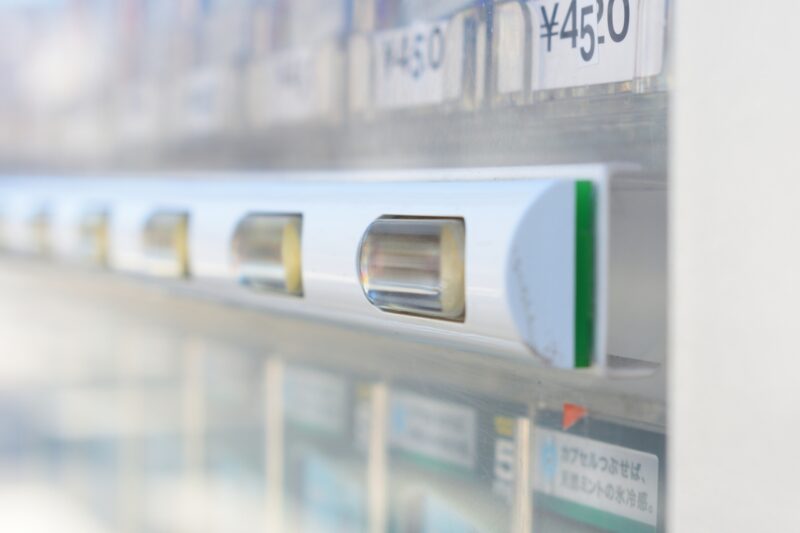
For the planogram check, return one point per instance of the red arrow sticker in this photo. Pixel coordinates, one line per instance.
(573, 414)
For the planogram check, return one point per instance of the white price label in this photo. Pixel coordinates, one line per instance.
(289, 88)
(610, 478)
(435, 429)
(207, 97)
(410, 65)
(294, 85)
(139, 118)
(315, 399)
(587, 42)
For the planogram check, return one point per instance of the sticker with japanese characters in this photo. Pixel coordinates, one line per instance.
(597, 477)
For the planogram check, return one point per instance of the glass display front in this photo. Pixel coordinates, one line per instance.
(334, 266)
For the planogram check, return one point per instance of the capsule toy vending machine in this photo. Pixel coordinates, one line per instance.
(341, 265)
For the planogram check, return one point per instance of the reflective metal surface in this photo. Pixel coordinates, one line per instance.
(415, 266)
(267, 252)
(165, 239)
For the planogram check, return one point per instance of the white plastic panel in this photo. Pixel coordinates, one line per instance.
(520, 248)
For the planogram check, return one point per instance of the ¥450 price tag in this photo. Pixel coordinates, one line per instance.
(585, 42)
(409, 65)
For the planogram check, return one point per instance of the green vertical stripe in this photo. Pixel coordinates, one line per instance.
(584, 272)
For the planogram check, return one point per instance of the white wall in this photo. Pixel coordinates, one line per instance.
(735, 310)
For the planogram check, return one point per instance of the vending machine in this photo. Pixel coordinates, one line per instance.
(371, 265)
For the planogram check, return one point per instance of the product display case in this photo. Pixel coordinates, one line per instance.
(353, 265)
